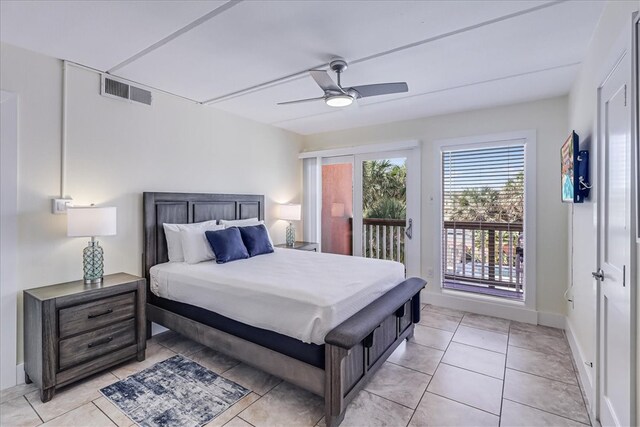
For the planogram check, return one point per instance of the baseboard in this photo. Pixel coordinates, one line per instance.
(157, 329)
(20, 374)
(479, 305)
(585, 373)
(553, 320)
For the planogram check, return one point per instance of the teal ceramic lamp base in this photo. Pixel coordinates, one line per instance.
(93, 262)
(291, 235)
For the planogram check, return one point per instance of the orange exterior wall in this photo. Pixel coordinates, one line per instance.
(337, 208)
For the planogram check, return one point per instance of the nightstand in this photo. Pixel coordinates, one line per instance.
(73, 330)
(301, 246)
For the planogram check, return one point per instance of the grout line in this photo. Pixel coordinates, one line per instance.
(33, 409)
(486, 330)
(542, 376)
(465, 404)
(411, 369)
(472, 371)
(105, 414)
(393, 401)
(543, 352)
(547, 412)
(504, 375)
(479, 348)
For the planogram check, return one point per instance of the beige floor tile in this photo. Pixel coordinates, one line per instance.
(213, 360)
(237, 422)
(155, 353)
(435, 410)
(537, 329)
(18, 413)
(254, 379)
(480, 338)
(443, 310)
(71, 397)
(233, 411)
(475, 359)
(539, 342)
(418, 357)
(398, 384)
(431, 337)
(439, 321)
(551, 396)
(553, 366)
(370, 410)
(517, 415)
(486, 322)
(285, 405)
(16, 391)
(179, 344)
(113, 412)
(470, 388)
(85, 415)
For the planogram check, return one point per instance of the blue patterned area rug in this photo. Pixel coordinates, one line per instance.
(176, 392)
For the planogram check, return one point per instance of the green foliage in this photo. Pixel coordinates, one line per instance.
(488, 204)
(384, 189)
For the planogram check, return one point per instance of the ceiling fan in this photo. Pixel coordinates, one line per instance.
(337, 96)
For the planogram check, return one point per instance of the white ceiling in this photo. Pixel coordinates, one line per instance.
(244, 57)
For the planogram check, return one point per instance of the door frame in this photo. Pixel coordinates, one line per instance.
(624, 45)
(413, 157)
(313, 202)
(8, 273)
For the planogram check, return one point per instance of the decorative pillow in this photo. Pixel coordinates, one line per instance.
(227, 245)
(195, 246)
(244, 223)
(256, 239)
(174, 243)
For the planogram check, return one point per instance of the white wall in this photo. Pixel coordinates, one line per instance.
(117, 150)
(8, 223)
(582, 118)
(548, 118)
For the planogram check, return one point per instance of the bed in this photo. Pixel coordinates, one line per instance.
(331, 344)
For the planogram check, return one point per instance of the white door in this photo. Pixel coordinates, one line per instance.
(388, 234)
(615, 247)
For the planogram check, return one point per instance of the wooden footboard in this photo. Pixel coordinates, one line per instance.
(358, 347)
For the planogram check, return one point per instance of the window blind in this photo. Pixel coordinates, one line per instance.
(483, 212)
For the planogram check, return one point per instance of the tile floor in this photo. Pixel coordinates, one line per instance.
(461, 369)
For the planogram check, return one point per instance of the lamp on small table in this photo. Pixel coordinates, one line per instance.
(92, 221)
(290, 212)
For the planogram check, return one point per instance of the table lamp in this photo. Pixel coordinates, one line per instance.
(290, 213)
(92, 221)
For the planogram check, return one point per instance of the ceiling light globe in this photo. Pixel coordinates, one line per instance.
(339, 101)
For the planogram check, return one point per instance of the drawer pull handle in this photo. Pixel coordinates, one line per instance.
(100, 342)
(93, 316)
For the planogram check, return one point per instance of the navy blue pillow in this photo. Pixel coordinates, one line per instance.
(227, 244)
(256, 239)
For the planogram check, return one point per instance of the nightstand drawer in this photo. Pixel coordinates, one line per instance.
(96, 314)
(87, 346)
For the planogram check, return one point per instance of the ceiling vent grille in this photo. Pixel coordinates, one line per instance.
(117, 89)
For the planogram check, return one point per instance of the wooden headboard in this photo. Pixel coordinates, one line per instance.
(184, 208)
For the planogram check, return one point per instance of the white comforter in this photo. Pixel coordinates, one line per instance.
(296, 293)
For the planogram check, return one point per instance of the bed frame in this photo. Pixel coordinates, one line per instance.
(354, 350)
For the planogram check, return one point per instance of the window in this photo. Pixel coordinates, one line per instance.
(483, 211)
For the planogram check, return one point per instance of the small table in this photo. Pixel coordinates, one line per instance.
(73, 330)
(301, 246)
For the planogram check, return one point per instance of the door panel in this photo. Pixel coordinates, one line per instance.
(615, 248)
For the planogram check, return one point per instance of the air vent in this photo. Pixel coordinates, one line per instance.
(117, 89)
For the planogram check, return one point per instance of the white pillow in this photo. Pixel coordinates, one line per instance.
(245, 223)
(240, 222)
(195, 245)
(174, 243)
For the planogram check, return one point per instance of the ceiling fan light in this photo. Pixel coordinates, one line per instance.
(339, 101)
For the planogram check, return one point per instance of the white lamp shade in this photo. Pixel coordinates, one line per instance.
(91, 221)
(290, 212)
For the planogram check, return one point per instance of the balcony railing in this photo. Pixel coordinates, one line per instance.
(484, 257)
(383, 238)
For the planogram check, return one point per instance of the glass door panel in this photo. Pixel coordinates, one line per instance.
(337, 205)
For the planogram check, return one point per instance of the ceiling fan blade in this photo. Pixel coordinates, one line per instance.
(299, 101)
(380, 89)
(325, 81)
